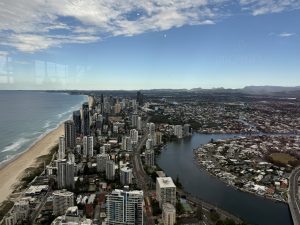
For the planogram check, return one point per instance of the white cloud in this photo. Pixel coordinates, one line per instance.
(260, 7)
(285, 34)
(34, 25)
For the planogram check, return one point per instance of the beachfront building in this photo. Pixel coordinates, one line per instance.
(126, 176)
(110, 170)
(125, 207)
(70, 136)
(165, 191)
(85, 119)
(168, 214)
(62, 200)
(77, 122)
(61, 148)
(72, 217)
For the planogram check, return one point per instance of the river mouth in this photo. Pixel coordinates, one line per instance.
(177, 159)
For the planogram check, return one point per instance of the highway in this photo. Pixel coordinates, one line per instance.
(142, 179)
(293, 196)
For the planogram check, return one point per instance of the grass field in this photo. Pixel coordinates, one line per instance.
(282, 157)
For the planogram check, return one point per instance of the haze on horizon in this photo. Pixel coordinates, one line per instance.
(100, 44)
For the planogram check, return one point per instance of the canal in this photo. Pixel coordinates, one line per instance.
(178, 160)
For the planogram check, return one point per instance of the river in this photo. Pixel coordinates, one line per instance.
(178, 160)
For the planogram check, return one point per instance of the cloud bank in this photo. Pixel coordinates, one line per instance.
(35, 25)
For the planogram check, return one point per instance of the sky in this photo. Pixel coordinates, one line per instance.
(146, 44)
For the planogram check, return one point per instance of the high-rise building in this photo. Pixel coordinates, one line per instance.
(149, 157)
(88, 146)
(165, 191)
(134, 135)
(101, 162)
(126, 176)
(65, 174)
(62, 200)
(140, 98)
(70, 136)
(168, 214)
(151, 130)
(139, 123)
(110, 170)
(158, 138)
(149, 143)
(61, 148)
(178, 131)
(77, 122)
(134, 120)
(85, 119)
(117, 108)
(125, 207)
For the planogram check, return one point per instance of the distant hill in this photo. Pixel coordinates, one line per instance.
(269, 89)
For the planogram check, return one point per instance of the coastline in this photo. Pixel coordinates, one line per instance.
(12, 170)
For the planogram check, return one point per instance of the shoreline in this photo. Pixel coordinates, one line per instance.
(201, 167)
(12, 170)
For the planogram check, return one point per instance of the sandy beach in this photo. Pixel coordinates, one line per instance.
(12, 172)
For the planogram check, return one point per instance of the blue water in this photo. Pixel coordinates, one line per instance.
(25, 116)
(178, 160)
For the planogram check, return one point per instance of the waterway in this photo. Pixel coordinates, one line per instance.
(178, 160)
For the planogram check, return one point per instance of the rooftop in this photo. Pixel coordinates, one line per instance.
(165, 182)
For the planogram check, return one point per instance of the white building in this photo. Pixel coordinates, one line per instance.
(149, 143)
(126, 176)
(178, 131)
(65, 174)
(165, 191)
(125, 207)
(139, 123)
(61, 148)
(101, 162)
(88, 146)
(134, 135)
(149, 157)
(151, 129)
(21, 210)
(168, 214)
(110, 170)
(62, 200)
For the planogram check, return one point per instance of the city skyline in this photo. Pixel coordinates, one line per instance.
(141, 45)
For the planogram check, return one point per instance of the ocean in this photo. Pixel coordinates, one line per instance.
(26, 116)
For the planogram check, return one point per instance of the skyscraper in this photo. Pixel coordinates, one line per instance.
(126, 176)
(77, 122)
(65, 174)
(88, 146)
(149, 157)
(61, 148)
(85, 119)
(101, 162)
(110, 170)
(125, 207)
(139, 98)
(70, 134)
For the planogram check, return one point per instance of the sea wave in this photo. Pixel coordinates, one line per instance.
(16, 145)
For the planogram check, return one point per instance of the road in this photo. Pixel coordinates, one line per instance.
(142, 179)
(293, 196)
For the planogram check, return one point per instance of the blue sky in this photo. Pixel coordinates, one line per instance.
(104, 44)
